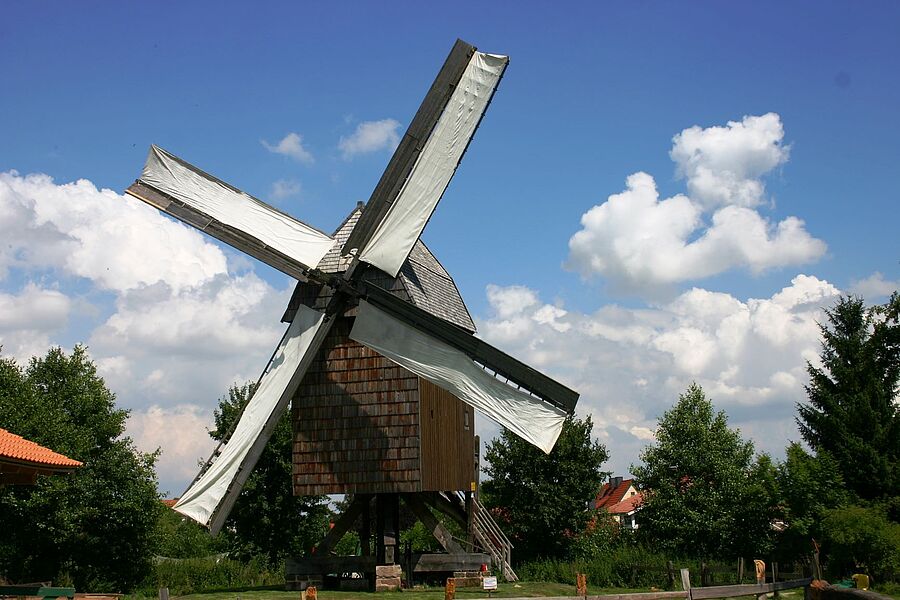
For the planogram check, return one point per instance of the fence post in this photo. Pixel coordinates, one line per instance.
(704, 575)
(686, 582)
(163, 593)
(740, 570)
(775, 578)
(670, 574)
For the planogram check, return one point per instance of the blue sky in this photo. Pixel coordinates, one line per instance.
(594, 93)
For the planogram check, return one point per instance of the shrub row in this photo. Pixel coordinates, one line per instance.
(629, 567)
(190, 575)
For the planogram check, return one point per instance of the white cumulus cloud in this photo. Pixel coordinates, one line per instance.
(642, 243)
(175, 327)
(370, 136)
(875, 287)
(630, 364)
(29, 319)
(723, 166)
(179, 432)
(117, 242)
(291, 146)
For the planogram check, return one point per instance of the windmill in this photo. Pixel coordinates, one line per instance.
(358, 336)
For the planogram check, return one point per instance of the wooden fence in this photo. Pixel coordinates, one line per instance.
(701, 593)
(709, 574)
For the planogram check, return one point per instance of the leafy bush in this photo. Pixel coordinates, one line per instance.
(624, 566)
(179, 537)
(861, 539)
(192, 575)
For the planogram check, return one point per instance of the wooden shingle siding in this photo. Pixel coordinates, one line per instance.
(355, 422)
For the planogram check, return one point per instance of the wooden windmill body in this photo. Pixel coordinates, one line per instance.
(365, 426)
(379, 360)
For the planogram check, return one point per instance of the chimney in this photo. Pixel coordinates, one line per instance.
(615, 482)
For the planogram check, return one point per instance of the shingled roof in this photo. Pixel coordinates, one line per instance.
(422, 280)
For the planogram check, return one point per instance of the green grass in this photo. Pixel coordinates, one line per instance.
(527, 589)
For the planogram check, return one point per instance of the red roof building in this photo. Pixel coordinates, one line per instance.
(21, 460)
(621, 499)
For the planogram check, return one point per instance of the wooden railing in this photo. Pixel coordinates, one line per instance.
(493, 541)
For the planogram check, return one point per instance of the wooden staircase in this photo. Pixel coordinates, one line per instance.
(491, 540)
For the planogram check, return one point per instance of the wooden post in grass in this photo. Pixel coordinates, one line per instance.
(581, 584)
(670, 574)
(164, 593)
(760, 576)
(450, 589)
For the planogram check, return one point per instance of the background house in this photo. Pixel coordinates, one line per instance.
(620, 498)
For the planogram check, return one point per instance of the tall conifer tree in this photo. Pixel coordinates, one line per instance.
(853, 412)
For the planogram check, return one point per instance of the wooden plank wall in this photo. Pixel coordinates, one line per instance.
(448, 440)
(355, 422)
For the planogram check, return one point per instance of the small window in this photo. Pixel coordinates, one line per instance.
(467, 419)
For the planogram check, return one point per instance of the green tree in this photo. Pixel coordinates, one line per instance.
(97, 526)
(541, 500)
(267, 519)
(809, 486)
(852, 412)
(704, 494)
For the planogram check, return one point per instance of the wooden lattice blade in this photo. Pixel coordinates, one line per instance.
(427, 158)
(183, 191)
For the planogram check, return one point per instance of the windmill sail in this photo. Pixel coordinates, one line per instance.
(228, 214)
(205, 500)
(432, 149)
(532, 419)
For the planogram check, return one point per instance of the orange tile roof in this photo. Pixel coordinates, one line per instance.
(170, 502)
(609, 496)
(18, 449)
(625, 506)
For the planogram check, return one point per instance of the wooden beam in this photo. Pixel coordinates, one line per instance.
(407, 152)
(729, 591)
(442, 504)
(439, 563)
(344, 522)
(437, 529)
(547, 389)
(232, 236)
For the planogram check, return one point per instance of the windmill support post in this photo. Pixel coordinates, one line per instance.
(381, 569)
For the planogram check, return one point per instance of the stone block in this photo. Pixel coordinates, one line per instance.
(388, 571)
(387, 584)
